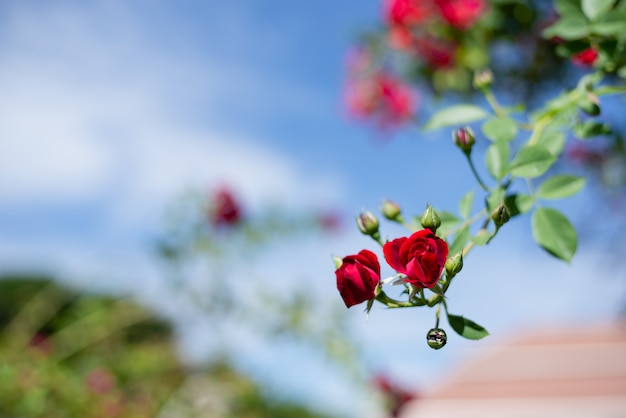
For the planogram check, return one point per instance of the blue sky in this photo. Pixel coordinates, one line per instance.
(110, 109)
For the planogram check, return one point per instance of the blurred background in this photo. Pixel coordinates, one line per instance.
(174, 181)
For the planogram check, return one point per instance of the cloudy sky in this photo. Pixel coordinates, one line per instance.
(110, 109)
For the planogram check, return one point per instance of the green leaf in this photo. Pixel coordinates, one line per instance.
(519, 203)
(554, 142)
(569, 28)
(532, 161)
(497, 158)
(460, 239)
(611, 24)
(560, 186)
(467, 328)
(465, 205)
(494, 199)
(595, 8)
(622, 72)
(480, 239)
(500, 128)
(455, 115)
(554, 233)
(567, 7)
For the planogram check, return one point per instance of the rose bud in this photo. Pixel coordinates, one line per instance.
(430, 219)
(464, 138)
(501, 215)
(590, 104)
(368, 224)
(436, 338)
(391, 211)
(421, 257)
(483, 79)
(357, 277)
(454, 264)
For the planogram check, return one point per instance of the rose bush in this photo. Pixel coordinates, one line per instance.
(421, 257)
(357, 277)
(502, 56)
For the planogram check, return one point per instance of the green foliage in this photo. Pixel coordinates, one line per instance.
(467, 328)
(554, 233)
(455, 115)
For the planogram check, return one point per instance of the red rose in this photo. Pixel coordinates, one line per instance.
(406, 12)
(380, 96)
(226, 210)
(585, 58)
(461, 14)
(357, 277)
(421, 257)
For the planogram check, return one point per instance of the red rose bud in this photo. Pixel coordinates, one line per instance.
(421, 257)
(585, 58)
(436, 338)
(357, 277)
(368, 224)
(483, 79)
(391, 211)
(430, 219)
(464, 138)
(590, 104)
(454, 264)
(501, 215)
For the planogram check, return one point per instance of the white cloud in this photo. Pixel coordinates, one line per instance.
(92, 110)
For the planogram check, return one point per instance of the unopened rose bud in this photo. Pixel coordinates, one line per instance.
(464, 138)
(391, 211)
(436, 338)
(590, 104)
(483, 79)
(430, 219)
(454, 264)
(367, 223)
(501, 215)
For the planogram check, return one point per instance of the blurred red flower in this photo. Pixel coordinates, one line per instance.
(381, 97)
(407, 12)
(226, 210)
(461, 14)
(585, 58)
(436, 53)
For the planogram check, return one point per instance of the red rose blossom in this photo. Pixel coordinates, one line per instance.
(381, 97)
(461, 14)
(436, 53)
(357, 277)
(226, 210)
(407, 12)
(421, 257)
(585, 58)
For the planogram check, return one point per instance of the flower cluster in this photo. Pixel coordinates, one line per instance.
(374, 93)
(419, 261)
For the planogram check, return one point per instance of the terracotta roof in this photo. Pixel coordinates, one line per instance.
(553, 373)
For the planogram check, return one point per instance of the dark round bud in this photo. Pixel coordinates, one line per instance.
(590, 104)
(436, 338)
(501, 215)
